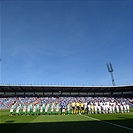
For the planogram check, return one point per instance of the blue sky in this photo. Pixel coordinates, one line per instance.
(66, 42)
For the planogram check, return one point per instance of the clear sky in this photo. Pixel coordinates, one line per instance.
(66, 41)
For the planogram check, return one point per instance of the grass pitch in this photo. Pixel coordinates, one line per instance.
(93, 123)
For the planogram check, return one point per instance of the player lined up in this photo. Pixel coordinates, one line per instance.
(38, 109)
(100, 107)
(74, 107)
(107, 107)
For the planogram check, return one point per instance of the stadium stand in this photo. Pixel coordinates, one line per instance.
(52, 95)
(44, 91)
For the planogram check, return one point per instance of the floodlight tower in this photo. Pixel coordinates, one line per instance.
(110, 69)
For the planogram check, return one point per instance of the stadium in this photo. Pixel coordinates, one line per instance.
(53, 72)
(87, 121)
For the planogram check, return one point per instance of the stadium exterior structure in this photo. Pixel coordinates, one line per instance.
(53, 90)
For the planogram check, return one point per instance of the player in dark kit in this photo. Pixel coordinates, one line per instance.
(62, 106)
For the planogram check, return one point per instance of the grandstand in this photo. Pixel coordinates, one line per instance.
(47, 90)
(53, 120)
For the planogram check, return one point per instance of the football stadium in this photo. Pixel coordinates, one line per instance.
(31, 108)
(53, 72)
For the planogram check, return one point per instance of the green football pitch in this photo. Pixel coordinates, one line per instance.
(93, 123)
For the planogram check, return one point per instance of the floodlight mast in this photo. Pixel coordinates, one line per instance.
(110, 69)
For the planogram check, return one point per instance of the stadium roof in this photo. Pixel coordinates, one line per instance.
(52, 88)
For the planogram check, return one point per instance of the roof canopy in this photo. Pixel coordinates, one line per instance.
(33, 88)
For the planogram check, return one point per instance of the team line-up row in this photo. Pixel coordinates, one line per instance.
(73, 107)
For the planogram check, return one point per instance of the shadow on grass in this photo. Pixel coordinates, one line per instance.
(68, 127)
(10, 121)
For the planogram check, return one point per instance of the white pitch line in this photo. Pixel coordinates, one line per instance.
(108, 123)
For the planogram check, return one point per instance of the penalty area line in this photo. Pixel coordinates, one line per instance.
(108, 122)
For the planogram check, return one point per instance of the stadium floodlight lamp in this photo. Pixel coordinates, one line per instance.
(110, 69)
